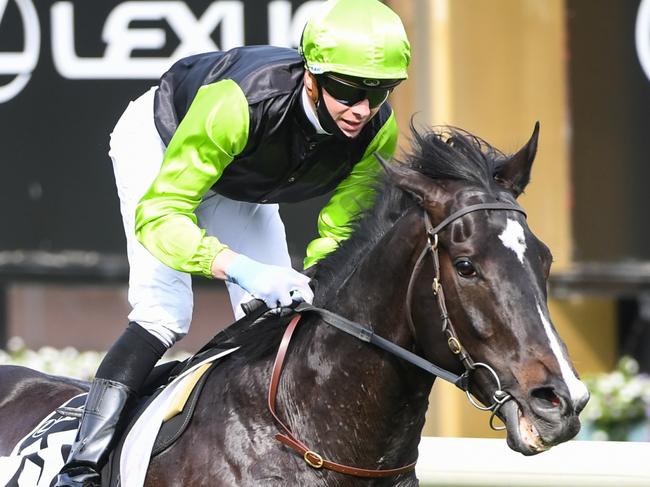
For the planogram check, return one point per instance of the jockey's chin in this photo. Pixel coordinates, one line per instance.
(351, 128)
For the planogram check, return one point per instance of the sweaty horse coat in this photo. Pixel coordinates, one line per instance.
(358, 405)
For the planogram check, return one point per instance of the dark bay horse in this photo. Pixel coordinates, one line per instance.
(349, 401)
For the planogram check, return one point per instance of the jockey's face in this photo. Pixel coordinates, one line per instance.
(350, 119)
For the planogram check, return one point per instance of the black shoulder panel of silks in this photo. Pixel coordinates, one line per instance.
(262, 72)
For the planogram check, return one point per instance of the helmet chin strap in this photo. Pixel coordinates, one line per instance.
(325, 118)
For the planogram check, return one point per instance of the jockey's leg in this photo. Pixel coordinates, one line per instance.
(120, 375)
(161, 300)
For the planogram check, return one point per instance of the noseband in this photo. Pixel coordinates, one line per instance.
(499, 396)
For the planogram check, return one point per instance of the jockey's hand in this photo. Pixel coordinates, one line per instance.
(275, 285)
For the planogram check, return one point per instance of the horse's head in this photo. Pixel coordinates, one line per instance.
(493, 272)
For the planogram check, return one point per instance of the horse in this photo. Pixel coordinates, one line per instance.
(444, 267)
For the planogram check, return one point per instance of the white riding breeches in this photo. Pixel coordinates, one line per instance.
(161, 297)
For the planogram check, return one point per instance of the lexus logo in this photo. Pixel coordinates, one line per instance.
(122, 38)
(20, 64)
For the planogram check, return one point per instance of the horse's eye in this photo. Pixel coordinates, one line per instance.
(465, 268)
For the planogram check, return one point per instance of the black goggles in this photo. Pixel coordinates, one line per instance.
(349, 94)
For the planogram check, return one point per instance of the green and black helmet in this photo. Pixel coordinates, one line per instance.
(362, 39)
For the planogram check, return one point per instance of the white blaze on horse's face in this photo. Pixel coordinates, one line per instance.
(577, 389)
(513, 238)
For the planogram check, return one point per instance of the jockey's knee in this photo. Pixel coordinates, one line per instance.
(167, 323)
(167, 333)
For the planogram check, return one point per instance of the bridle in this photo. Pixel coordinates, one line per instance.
(499, 396)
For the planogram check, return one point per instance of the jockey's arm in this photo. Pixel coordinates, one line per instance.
(352, 196)
(214, 130)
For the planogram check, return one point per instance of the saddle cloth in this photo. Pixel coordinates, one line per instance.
(39, 456)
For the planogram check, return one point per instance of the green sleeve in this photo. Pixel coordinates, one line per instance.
(353, 195)
(212, 133)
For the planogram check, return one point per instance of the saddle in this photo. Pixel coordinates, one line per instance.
(175, 421)
(176, 385)
(39, 455)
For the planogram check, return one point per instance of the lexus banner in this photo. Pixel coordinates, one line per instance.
(67, 71)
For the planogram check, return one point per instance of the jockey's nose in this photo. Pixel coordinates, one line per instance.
(362, 108)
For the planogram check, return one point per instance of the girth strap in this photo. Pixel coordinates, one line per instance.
(311, 457)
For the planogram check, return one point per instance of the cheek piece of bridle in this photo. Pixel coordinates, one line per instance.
(499, 396)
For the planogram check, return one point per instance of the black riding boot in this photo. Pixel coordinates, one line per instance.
(121, 374)
(104, 405)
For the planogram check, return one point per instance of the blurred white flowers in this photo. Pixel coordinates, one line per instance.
(68, 362)
(619, 404)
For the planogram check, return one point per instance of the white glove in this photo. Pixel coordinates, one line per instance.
(273, 284)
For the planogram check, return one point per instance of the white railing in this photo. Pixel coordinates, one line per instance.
(490, 463)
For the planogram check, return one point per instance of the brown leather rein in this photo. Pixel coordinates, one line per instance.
(312, 458)
(316, 460)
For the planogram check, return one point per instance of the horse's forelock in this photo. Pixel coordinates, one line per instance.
(447, 152)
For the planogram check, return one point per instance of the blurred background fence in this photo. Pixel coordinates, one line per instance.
(474, 462)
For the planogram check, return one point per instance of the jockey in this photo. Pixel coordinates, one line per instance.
(201, 163)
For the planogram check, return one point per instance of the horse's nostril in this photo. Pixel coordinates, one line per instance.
(581, 403)
(546, 397)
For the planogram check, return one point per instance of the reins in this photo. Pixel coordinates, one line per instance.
(499, 396)
(312, 458)
(367, 335)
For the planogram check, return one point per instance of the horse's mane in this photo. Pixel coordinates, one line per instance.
(442, 153)
(256, 339)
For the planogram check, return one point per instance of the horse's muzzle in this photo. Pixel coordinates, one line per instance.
(547, 418)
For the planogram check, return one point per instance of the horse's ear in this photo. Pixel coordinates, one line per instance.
(514, 173)
(405, 178)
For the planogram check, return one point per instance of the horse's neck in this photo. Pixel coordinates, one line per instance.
(375, 293)
(368, 396)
